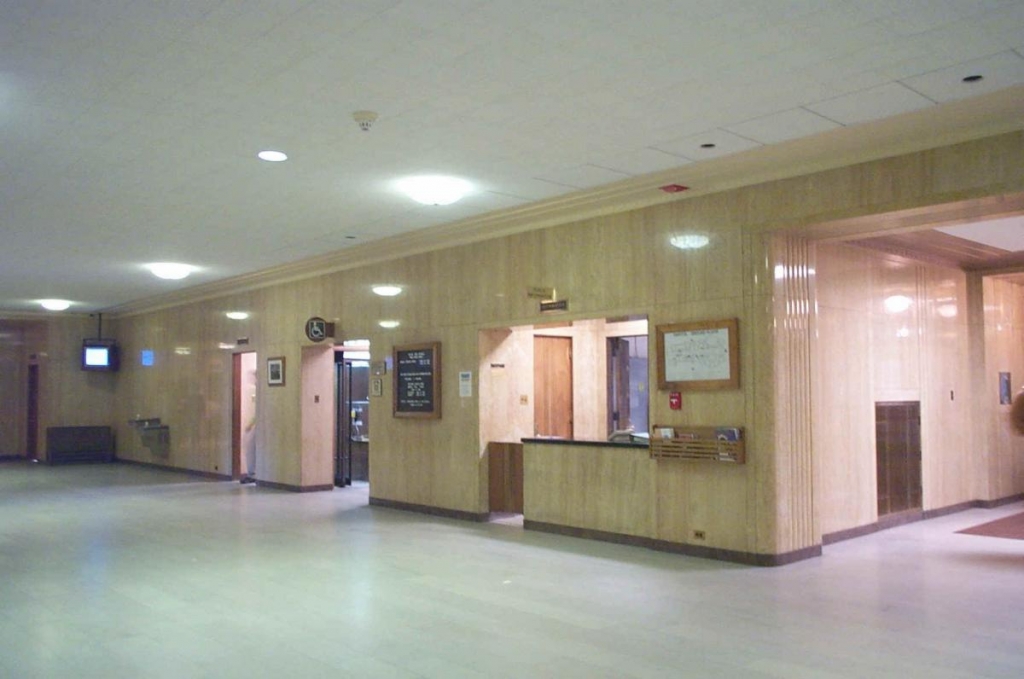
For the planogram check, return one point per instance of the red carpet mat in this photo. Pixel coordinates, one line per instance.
(1010, 527)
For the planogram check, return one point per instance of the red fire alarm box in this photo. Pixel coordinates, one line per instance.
(675, 400)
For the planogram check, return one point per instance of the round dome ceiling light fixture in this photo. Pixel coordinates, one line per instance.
(434, 189)
(171, 271)
(689, 241)
(387, 290)
(272, 156)
(55, 304)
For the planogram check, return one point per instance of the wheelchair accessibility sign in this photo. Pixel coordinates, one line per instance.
(316, 329)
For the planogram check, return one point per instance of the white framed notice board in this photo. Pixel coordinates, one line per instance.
(699, 355)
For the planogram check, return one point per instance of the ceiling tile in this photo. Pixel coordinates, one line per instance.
(783, 126)
(640, 161)
(878, 102)
(583, 176)
(710, 144)
(1000, 70)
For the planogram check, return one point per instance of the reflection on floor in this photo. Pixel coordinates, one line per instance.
(121, 571)
(507, 519)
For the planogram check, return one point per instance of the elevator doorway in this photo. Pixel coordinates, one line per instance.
(243, 416)
(898, 456)
(352, 447)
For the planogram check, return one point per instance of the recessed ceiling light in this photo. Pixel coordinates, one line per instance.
(54, 304)
(689, 241)
(973, 78)
(388, 324)
(272, 156)
(387, 290)
(434, 189)
(237, 315)
(171, 271)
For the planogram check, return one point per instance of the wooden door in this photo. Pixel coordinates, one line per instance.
(552, 386)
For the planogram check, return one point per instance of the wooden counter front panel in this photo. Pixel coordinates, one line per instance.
(505, 476)
(599, 488)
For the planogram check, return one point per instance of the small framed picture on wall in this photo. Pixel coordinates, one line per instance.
(275, 371)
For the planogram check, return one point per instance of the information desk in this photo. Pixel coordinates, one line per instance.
(589, 485)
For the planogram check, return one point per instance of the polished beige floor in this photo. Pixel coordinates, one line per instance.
(120, 571)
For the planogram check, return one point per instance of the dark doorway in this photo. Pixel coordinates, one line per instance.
(898, 456)
(627, 384)
(32, 419)
(552, 386)
(243, 415)
(352, 451)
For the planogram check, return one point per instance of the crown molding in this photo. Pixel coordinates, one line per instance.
(938, 126)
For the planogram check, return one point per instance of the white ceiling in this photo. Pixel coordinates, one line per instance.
(129, 128)
(1007, 233)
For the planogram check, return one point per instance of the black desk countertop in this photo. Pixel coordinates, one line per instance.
(643, 445)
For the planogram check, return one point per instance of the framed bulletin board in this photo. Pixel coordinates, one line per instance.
(417, 380)
(699, 356)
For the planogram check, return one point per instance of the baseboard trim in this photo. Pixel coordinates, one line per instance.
(1009, 499)
(213, 476)
(294, 489)
(894, 520)
(459, 514)
(950, 509)
(717, 554)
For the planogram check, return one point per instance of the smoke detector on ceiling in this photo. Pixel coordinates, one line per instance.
(364, 119)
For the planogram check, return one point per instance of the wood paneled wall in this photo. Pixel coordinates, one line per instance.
(606, 266)
(13, 386)
(67, 395)
(1003, 471)
(865, 354)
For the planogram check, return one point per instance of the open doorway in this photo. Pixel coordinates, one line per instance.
(243, 420)
(554, 380)
(32, 419)
(352, 416)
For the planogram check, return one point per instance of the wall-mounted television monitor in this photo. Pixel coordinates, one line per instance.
(100, 355)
